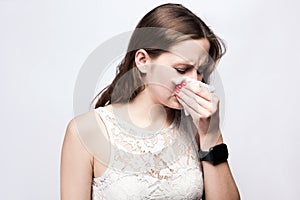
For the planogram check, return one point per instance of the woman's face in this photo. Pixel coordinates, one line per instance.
(183, 59)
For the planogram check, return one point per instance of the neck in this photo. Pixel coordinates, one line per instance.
(145, 113)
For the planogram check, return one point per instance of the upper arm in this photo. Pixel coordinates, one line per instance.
(76, 166)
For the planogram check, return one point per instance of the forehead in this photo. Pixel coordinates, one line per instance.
(192, 51)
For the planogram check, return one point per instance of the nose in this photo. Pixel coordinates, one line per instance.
(195, 75)
(192, 74)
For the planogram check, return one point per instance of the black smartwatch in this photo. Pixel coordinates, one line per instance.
(215, 155)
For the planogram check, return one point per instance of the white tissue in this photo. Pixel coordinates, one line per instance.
(178, 80)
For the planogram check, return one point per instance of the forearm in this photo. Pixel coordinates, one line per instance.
(218, 181)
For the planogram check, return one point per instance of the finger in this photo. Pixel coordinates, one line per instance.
(188, 109)
(192, 106)
(201, 101)
(213, 98)
(201, 91)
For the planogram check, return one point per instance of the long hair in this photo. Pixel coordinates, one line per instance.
(159, 30)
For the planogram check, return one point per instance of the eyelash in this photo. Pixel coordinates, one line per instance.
(182, 71)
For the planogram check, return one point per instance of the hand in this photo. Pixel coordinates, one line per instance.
(203, 107)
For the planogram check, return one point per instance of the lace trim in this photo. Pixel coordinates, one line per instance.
(166, 158)
(130, 128)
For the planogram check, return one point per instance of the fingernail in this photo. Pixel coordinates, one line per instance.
(183, 83)
(177, 90)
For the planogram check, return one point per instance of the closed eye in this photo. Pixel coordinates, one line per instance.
(184, 69)
(180, 71)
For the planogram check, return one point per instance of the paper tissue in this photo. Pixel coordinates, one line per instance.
(178, 80)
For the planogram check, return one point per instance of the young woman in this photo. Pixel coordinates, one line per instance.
(138, 143)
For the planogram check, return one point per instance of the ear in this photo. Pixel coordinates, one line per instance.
(142, 59)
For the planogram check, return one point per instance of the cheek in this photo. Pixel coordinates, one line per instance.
(161, 92)
(164, 96)
(161, 76)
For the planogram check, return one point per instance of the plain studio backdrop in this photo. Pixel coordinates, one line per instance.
(43, 45)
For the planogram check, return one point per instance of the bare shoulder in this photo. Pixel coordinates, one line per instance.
(89, 131)
(73, 143)
(76, 161)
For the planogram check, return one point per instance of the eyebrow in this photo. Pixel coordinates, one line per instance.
(205, 61)
(187, 65)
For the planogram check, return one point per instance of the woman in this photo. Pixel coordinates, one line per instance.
(137, 143)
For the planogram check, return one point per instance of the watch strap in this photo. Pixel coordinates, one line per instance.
(215, 155)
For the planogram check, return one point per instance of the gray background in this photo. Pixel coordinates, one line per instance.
(43, 44)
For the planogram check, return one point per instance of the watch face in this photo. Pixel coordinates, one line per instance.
(216, 155)
(219, 153)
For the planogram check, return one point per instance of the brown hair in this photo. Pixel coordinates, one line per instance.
(160, 29)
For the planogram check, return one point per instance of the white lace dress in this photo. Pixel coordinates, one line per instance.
(144, 165)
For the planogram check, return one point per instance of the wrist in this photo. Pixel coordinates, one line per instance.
(209, 140)
(216, 154)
